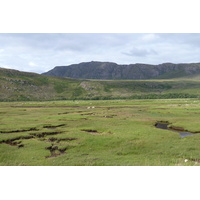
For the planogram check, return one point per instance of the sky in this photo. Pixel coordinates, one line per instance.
(40, 52)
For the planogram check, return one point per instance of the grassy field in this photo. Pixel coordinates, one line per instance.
(103, 133)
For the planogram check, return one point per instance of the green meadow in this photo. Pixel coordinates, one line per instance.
(99, 133)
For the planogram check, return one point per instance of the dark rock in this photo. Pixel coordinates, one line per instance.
(108, 70)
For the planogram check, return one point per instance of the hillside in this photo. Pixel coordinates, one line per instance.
(16, 86)
(19, 86)
(113, 71)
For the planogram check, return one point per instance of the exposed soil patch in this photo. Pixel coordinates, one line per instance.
(160, 108)
(23, 130)
(61, 139)
(55, 151)
(195, 160)
(92, 132)
(53, 126)
(13, 142)
(39, 135)
(109, 108)
(65, 113)
(84, 118)
(177, 128)
(88, 114)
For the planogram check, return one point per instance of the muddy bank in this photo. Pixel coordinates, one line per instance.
(23, 130)
(92, 132)
(13, 141)
(55, 151)
(53, 126)
(52, 139)
(40, 135)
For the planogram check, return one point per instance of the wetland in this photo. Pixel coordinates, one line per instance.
(151, 132)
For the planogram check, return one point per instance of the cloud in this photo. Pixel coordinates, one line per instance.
(40, 52)
(150, 37)
(32, 64)
(140, 52)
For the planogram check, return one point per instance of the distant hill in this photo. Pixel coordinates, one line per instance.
(17, 86)
(113, 71)
(25, 86)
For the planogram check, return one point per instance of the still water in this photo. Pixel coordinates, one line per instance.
(163, 125)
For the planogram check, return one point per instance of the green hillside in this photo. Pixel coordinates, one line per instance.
(16, 86)
(19, 86)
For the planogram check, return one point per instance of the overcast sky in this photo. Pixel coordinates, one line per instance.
(43, 51)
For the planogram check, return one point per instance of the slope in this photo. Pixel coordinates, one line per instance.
(24, 86)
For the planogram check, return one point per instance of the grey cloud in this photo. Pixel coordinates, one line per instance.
(190, 39)
(139, 52)
(39, 52)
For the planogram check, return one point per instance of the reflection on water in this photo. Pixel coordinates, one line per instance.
(164, 125)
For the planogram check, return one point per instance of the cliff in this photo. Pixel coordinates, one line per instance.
(113, 71)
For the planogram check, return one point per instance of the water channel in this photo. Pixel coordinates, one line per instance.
(164, 125)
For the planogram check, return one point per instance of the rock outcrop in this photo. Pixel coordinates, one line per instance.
(113, 71)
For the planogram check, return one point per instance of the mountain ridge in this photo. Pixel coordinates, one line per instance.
(114, 71)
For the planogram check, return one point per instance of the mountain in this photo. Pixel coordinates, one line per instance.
(24, 86)
(113, 71)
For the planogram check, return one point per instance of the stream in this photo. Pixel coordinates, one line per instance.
(164, 125)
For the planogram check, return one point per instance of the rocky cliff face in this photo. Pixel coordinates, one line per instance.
(108, 70)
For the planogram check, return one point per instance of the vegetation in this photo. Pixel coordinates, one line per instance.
(118, 129)
(103, 132)
(23, 86)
